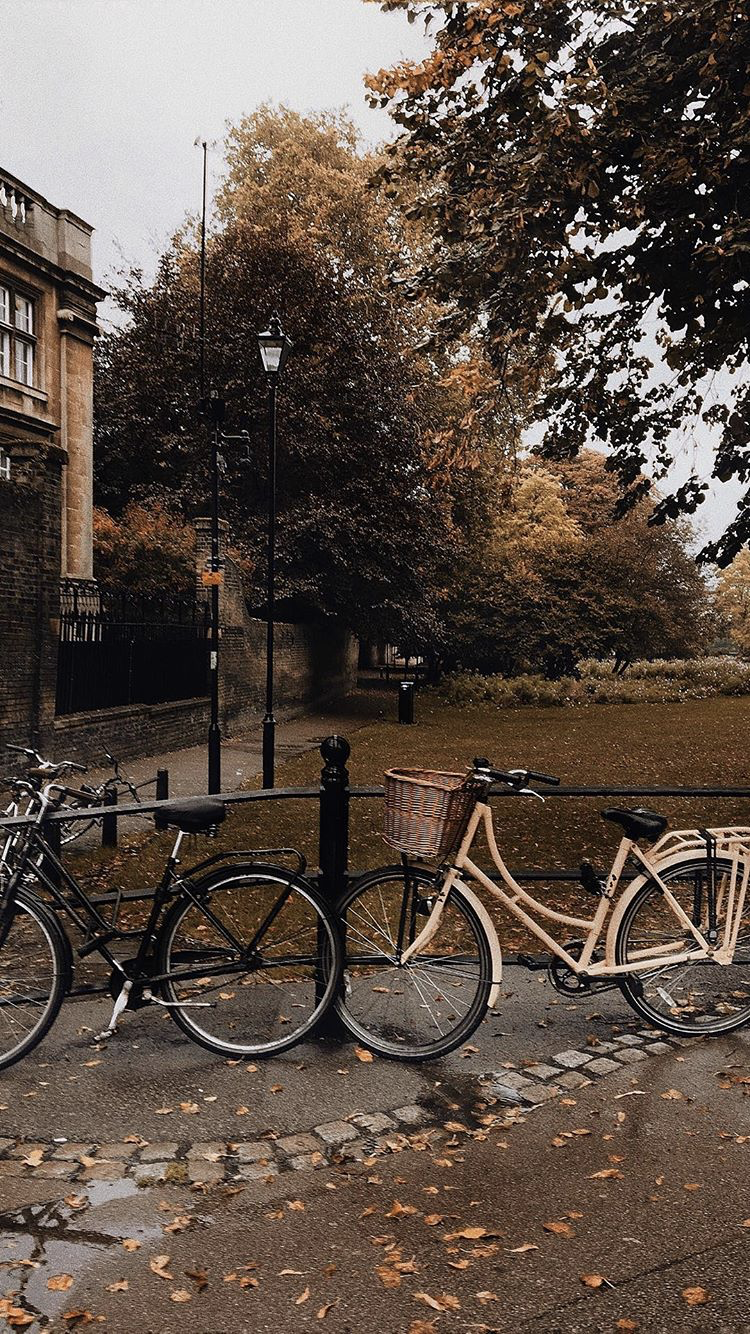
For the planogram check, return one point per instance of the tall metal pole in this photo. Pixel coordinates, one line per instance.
(214, 579)
(269, 722)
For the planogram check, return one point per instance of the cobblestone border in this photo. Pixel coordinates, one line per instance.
(359, 1137)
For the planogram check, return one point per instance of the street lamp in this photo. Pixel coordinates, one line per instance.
(274, 349)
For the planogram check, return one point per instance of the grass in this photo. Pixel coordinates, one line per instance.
(697, 743)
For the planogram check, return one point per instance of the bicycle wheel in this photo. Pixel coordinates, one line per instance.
(697, 996)
(35, 967)
(429, 1005)
(253, 958)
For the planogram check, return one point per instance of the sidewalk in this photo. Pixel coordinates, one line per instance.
(241, 756)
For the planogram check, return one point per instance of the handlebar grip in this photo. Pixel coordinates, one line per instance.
(544, 778)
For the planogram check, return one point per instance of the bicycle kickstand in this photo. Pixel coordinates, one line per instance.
(121, 1003)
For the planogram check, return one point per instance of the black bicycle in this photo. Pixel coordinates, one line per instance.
(243, 953)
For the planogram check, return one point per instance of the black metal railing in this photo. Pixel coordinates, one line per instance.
(116, 650)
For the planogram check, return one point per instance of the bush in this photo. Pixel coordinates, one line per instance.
(664, 681)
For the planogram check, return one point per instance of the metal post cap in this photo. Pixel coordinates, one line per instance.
(335, 749)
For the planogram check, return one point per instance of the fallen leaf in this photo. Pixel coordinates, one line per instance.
(60, 1282)
(34, 1158)
(559, 1229)
(298, 1301)
(672, 1094)
(297, 1206)
(15, 1316)
(397, 1209)
(163, 1111)
(592, 1280)
(78, 1316)
(247, 1281)
(443, 1303)
(241, 1111)
(130, 1244)
(199, 1277)
(389, 1277)
(277, 1088)
(76, 1201)
(692, 1185)
(158, 1265)
(521, 1250)
(431, 1220)
(362, 1054)
(468, 1234)
(485, 1297)
(422, 1327)
(189, 1108)
(607, 1174)
(180, 1295)
(626, 1324)
(119, 1285)
(695, 1296)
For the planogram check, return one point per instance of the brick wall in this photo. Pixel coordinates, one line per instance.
(30, 575)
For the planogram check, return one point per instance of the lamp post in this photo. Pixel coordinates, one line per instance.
(274, 350)
(213, 577)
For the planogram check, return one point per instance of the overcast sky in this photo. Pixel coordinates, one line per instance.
(101, 102)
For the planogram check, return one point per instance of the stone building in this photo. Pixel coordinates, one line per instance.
(48, 306)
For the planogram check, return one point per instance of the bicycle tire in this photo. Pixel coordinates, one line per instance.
(32, 922)
(426, 1008)
(693, 999)
(253, 1012)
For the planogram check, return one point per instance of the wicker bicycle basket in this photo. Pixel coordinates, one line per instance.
(426, 811)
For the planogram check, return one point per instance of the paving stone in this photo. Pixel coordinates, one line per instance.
(603, 1066)
(115, 1152)
(510, 1079)
(292, 1145)
(375, 1122)
(541, 1071)
(63, 1171)
(6, 1144)
(159, 1153)
(411, 1115)
(69, 1153)
(23, 1150)
(571, 1059)
(573, 1079)
(254, 1151)
(302, 1161)
(683, 1042)
(10, 1167)
(356, 1151)
(505, 1093)
(103, 1172)
(338, 1132)
(539, 1093)
(210, 1174)
(599, 1048)
(657, 1048)
(631, 1055)
(206, 1151)
(256, 1171)
(629, 1040)
(151, 1172)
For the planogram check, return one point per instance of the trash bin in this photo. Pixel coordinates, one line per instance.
(406, 701)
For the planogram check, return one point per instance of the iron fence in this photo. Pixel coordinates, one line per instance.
(116, 650)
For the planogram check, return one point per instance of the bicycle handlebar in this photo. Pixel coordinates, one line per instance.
(516, 777)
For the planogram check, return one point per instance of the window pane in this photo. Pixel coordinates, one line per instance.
(4, 305)
(24, 362)
(4, 354)
(24, 314)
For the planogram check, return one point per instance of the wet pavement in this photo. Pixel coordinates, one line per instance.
(238, 1174)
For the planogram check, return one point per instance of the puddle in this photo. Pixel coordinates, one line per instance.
(50, 1239)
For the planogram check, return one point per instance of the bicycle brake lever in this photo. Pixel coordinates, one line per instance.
(529, 792)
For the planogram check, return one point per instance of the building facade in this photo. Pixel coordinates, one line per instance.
(48, 303)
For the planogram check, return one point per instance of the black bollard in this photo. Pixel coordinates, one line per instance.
(162, 784)
(406, 701)
(334, 817)
(109, 822)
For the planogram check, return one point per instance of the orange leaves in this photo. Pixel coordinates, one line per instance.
(695, 1296)
(559, 1229)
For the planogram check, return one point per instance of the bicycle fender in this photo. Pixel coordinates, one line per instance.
(491, 933)
(627, 898)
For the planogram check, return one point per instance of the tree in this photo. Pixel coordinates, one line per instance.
(147, 551)
(559, 580)
(733, 600)
(358, 516)
(584, 172)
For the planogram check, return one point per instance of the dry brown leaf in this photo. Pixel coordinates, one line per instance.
(60, 1282)
(521, 1250)
(80, 1316)
(362, 1054)
(130, 1244)
(277, 1088)
(189, 1108)
(242, 1110)
(432, 1220)
(158, 1265)
(695, 1296)
(389, 1277)
(692, 1185)
(179, 1224)
(34, 1158)
(626, 1324)
(119, 1285)
(607, 1174)
(329, 1270)
(180, 1295)
(247, 1281)
(397, 1209)
(459, 1264)
(486, 1296)
(76, 1201)
(199, 1277)
(559, 1229)
(298, 1301)
(672, 1094)
(322, 1311)
(297, 1206)
(443, 1303)
(468, 1234)
(422, 1327)
(15, 1316)
(592, 1280)
(163, 1111)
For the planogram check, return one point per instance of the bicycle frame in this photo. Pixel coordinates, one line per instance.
(669, 851)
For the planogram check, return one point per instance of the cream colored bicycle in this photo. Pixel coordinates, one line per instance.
(422, 957)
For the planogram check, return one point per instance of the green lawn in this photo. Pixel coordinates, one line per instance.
(698, 743)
